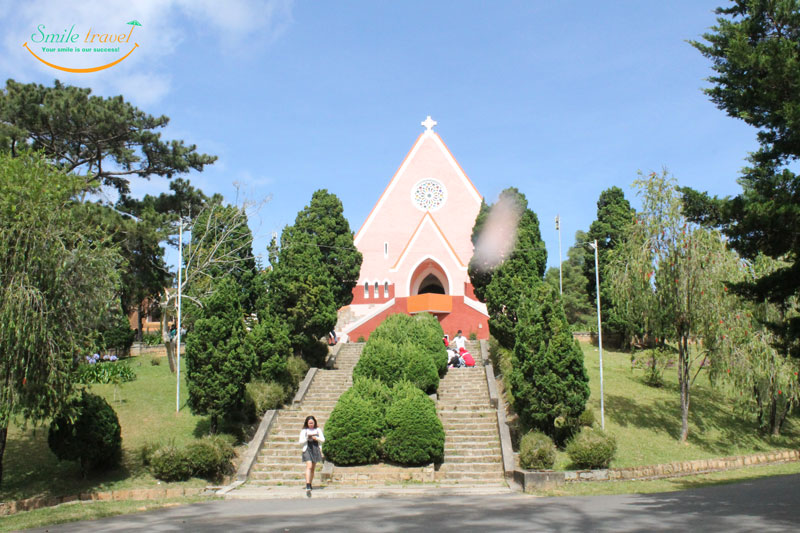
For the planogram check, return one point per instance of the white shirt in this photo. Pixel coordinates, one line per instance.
(461, 342)
(305, 433)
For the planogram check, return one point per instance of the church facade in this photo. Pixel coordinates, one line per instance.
(416, 245)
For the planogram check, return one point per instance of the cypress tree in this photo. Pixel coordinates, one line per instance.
(549, 382)
(216, 364)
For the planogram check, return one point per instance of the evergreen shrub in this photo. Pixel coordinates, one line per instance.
(170, 463)
(380, 359)
(210, 457)
(537, 451)
(260, 397)
(269, 346)
(587, 417)
(419, 367)
(592, 448)
(353, 431)
(415, 435)
(93, 437)
(297, 369)
(427, 333)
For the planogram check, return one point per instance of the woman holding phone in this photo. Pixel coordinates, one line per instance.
(310, 437)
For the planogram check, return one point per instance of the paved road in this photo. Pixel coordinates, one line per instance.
(770, 504)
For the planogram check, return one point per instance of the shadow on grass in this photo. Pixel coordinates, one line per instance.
(627, 412)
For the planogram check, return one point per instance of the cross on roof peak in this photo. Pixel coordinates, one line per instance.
(429, 123)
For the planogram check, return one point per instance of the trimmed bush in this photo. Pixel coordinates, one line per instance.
(260, 397)
(381, 359)
(353, 431)
(419, 368)
(415, 435)
(587, 417)
(93, 437)
(592, 448)
(170, 463)
(210, 457)
(427, 333)
(537, 451)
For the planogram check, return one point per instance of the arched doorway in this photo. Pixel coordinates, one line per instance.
(429, 278)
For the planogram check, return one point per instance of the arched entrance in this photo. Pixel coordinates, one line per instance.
(429, 278)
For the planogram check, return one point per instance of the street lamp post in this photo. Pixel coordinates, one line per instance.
(560, 264)
(178, 332)
(599, 331)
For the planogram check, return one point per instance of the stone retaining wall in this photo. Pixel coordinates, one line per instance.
(39, 502)
(544, 480)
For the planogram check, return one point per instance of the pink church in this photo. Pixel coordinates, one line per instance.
(416, 246)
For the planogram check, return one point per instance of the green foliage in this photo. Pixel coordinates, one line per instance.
(614, 217)
(116, 336)
(654, 361)
(91, 435)
(324, 219)
(500, 277)
(404, 347)
(269, 346)
(592, 448)
(299, 291)
(756, 61)
(107, 372)
(669, 277)
(171, 463)
(587, 418)
(216, 363)
(108, 138)
(537, 451)
(57, 282)
(415, 435)
(353, 431)
(297, 369)
(210, 457)
(260, 397)
(578, 306)
(549, 382)
(152, 339)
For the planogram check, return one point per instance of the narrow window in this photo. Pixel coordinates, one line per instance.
(376, 290)
(385, 250)
(366, 289)
(385, 289)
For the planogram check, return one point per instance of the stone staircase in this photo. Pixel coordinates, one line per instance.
(472, 444)
(279, 461)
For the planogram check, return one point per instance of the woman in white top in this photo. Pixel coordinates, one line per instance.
(310, 437)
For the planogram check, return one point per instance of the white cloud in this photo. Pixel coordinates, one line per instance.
(164, 28)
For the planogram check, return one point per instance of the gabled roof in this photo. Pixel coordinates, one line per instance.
(424, 136)
(428, 217)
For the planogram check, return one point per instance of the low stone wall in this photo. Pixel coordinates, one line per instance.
(531, 480)
(39, 502)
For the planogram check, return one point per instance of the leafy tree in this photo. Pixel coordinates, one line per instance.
(323, 218)
(106, 140)
(756, 60)
(669, 277)
(614, 216)
(57, 282)
(579, 308)
(513, 266)
(549, 382)
(216, 363)
(760, 378)
(268, 343)
(299, 290)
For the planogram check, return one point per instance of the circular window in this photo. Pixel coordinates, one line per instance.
(428, 195)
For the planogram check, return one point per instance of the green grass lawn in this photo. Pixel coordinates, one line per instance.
(647, 421)
(147, 412)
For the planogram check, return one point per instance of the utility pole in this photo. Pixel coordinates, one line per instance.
(599, 331)
(178, 333)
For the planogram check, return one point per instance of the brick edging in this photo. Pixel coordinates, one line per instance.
(38, 502)
(550, 479)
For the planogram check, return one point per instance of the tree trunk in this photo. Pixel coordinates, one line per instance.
(3, 436)
(139, 333)
(683, 380)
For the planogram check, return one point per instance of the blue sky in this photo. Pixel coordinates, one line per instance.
(559, 99)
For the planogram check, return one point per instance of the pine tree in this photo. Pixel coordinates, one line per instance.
(216, 362)
(511, 276)
(579, 308)
(549, 382)
(324, 219)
